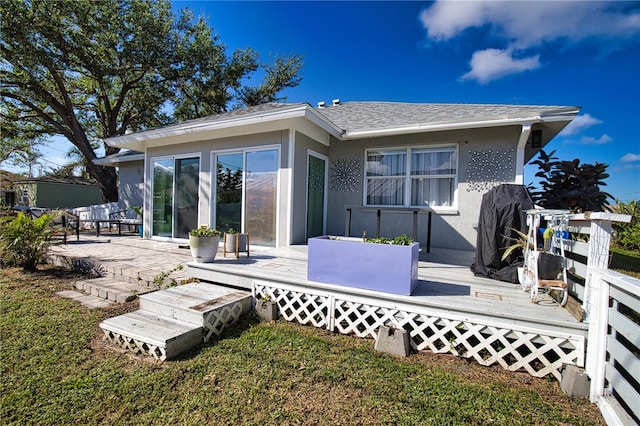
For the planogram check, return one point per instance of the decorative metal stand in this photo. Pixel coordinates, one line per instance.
(557, 220)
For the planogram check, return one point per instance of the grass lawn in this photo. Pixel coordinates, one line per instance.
(56, 370)
(625, 261)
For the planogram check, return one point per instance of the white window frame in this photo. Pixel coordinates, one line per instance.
(408, 177)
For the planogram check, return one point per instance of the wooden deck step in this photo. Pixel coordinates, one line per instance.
(146, 333)
(176, 319)
(111, 289)
(193, 302)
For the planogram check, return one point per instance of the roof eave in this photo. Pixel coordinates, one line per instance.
(459, 125)
(114, 161)
(138, 141)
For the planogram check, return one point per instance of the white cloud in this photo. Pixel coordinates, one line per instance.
(626, 167)
(524, 25)
(445, 20)
(630, 158)
(490, 64)
(589, 140)
(528, 23)
(580, 123)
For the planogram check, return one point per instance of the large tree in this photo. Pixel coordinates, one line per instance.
(89, 70)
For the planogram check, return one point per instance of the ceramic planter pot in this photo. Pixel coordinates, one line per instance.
(549, 266)
(353, 263)
(204, 249)
(235, 243)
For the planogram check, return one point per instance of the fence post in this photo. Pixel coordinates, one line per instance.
(596, 305)
(597, 262)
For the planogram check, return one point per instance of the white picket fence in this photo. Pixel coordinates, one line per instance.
(611, 304)
(613, 349)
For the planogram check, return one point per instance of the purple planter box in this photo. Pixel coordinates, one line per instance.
(352, 263)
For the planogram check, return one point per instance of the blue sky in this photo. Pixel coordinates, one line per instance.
(512, 52)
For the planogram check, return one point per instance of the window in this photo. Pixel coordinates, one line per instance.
(411, 177)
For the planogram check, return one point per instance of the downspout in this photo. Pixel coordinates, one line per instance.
(522, 144)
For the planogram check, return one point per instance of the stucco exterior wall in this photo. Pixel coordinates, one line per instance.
(486, 157)
(131, 186)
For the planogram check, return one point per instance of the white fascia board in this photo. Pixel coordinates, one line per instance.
(108, 161)
(323, 122)
(423, 128)
(139, 140)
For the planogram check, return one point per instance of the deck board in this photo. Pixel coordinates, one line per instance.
(442, 286)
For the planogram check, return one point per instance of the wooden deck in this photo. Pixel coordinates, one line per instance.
(450, 311)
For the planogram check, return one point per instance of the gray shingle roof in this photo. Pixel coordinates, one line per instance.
(365, 116)
(225, 116)
(349, 118)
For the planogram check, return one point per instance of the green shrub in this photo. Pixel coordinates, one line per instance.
(204, 231)
(400, 240)
(569, 185)
(627, 235)
(24, 241)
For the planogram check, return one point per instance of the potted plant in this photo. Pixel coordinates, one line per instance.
(390, 266)
(520, 242)
(266, 308)
(235, 242)
(203, 242)
(549, 264)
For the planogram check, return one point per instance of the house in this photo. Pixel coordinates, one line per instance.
(56, 192)
(285, 172)
(130, 178)
(7, 193)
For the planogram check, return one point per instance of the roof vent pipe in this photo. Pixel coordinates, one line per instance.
(336, 102)
(320, 104)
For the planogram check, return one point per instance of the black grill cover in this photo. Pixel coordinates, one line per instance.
(501, 211)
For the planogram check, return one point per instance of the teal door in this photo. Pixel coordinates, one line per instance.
(316, 194)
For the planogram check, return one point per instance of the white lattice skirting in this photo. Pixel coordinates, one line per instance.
(138, 347)
(215, 321)
(487, 341)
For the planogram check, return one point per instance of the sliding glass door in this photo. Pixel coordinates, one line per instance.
(228, 204)
(246, 189)
(175, 196)
(260, 196)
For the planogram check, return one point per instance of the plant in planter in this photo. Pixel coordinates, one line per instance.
(519, 243)
(266, 308)
(356, 262)
(235, 242)
(549, 264)
(203, 243)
